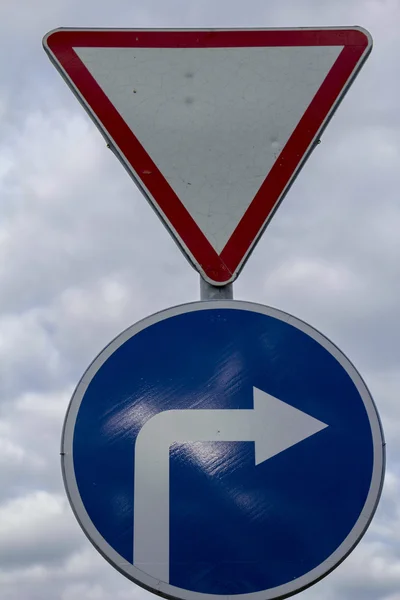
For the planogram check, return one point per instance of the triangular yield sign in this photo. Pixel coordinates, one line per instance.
(212, 125)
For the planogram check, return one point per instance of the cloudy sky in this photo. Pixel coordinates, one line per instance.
(82, 256)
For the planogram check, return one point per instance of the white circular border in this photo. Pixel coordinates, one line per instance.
(165, 589)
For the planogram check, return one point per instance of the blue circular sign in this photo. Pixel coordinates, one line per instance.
(223, 448)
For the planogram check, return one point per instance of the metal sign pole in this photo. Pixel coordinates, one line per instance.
(213, 292)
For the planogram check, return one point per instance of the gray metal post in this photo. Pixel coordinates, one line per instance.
(213, 292)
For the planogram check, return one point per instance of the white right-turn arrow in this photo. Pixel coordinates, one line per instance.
(271, 424)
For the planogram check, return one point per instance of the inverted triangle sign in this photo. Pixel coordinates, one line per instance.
(213, 126)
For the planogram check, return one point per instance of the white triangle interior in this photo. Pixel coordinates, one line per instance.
(213, 120)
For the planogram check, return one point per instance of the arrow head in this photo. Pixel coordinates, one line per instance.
(279, 426)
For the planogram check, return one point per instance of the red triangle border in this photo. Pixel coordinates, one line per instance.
(224, 268)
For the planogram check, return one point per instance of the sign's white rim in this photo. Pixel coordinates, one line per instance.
(165, 589)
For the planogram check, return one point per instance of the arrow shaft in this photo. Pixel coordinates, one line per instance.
(151, 491)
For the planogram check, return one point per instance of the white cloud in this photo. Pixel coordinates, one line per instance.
(27, 355)
(30, 433)
(36, 529)
(10, 452)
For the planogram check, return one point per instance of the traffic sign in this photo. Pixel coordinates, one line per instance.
(221, 449)
(213, 125)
